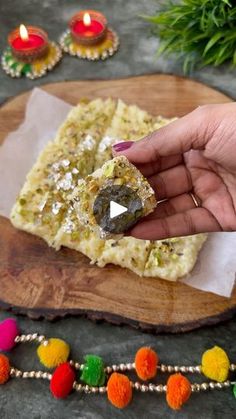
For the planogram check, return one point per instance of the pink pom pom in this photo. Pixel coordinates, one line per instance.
(8, 332)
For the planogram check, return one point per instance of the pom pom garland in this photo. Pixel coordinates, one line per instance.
(215, 364)
(62, 381)
(8, 332)
(119, 390)
(93, 372)
(53, 352)
(4, 369)
(178, 391)
(146, 361)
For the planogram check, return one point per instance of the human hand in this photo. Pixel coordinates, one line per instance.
(195, 154)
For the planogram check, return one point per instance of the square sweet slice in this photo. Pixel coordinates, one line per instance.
(128, 123)
(40, 206)
(43, 201)
(127, 252)
(76, 236)
(174, 258)
(91, 118)
(118, 182)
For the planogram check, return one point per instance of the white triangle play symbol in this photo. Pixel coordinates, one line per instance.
(116, 209)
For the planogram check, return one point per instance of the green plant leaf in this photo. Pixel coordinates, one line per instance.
(212, 42)
(199, 32)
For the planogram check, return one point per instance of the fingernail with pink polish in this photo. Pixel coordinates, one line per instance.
(122, 146)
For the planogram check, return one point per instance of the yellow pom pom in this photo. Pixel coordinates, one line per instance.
(215, 364)
(54, 353)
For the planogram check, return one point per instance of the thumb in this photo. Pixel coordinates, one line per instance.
(189, 132)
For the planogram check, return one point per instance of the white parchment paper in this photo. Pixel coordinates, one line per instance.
(216, 266)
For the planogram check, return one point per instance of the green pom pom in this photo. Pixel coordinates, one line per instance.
(93, 372)
(234, 390)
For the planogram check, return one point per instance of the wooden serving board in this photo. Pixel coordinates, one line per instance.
(40, 282)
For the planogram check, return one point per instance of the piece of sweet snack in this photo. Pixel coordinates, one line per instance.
(174, 258)
(127, 252)
(117, 181)
(43, 201)
(76, 236)
(128, 123)
(91, 118)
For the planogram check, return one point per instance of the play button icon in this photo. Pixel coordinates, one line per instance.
(117, 208)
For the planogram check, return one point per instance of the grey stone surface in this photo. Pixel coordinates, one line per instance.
(31, 399)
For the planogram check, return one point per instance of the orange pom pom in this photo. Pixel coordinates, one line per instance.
(146, 361)
(178, 391)
(119, 390)
(4, 369)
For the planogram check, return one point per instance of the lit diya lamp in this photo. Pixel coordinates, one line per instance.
(89, 36)
(88, 28)
(30, 53)
(29, 43)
